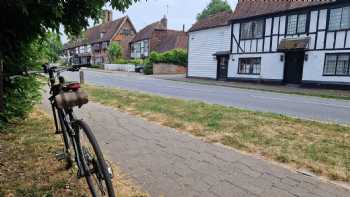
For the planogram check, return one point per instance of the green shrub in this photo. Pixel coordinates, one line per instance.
(148, 70)
(175, 56)
(124, 61)
(21, 95)
(121, 61)
(136, 61)
(98, 66)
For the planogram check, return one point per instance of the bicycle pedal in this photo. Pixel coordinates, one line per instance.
(60, 156)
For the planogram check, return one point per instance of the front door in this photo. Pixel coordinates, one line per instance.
(222, 67)
(293, 67)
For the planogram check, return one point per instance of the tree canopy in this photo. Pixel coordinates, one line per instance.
(25, 41)
(215, 6)
(26, 21)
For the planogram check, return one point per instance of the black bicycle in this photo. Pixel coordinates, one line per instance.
(80, 144)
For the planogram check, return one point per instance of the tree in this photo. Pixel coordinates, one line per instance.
(26, 21)
(114, 51)
(52, 46)
(215, 6)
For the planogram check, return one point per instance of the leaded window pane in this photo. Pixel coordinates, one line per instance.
(258, 30)
(292, 24)
(345, 21)
(331, 63)
(335, 19)
(343, 65)
(249, 66)
(302, 23)
(247, 30)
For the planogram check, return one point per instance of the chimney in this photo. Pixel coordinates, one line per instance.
(183, 27)
(164, 22)
(108, 16)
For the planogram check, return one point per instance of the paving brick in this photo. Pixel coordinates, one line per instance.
(171, 163)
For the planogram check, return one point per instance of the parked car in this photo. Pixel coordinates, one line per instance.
(139, 68)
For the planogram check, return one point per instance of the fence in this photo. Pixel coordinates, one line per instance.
(120, 67)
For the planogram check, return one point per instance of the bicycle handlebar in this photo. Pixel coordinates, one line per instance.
(53, 69)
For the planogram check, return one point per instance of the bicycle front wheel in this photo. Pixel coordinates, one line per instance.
(97, 173)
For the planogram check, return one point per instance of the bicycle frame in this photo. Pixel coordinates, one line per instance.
(68, 119)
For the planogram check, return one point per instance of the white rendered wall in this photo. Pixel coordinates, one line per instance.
(313, 68)
(271, 66)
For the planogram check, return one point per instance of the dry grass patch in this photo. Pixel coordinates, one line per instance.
(28, 166)
(320, 147)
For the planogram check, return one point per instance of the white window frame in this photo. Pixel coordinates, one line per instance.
(250, 68)
(326, 69)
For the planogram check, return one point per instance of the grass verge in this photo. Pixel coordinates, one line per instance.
(322, 148)
(315, 92)
(28, 166)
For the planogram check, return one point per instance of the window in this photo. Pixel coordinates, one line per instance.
(253, 29)
(125, 32)
(138, 47)
(146, 47)
(142, 46)
(337, 65)
(102, 34)
(339, 18)
(250, 66)
(88, 48)
(296, 24)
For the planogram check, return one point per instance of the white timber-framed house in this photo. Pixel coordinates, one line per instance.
(285, 42)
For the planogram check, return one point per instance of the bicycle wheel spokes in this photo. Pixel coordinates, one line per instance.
(95, 167)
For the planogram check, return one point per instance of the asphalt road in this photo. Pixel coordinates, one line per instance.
(304, 107)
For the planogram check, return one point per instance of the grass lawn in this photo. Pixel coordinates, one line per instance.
(316, 92)
(28, 166)
(322, 148)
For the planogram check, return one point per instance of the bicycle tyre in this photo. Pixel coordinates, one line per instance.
(99, 157)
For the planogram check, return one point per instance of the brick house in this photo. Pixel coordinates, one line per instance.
(157, 37)
(92, 47)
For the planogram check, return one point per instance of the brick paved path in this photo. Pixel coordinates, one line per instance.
(166, 162)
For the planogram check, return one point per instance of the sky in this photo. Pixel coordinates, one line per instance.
(178, 12)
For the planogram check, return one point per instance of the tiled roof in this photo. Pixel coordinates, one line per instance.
(251, 8)
(146, 33)
(171, 39)
(217, 20)
(93, 35)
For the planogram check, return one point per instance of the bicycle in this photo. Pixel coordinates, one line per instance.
(77, 136)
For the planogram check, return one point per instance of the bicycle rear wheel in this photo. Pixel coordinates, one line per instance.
(98, 175)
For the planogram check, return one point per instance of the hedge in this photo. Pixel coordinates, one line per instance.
(21, 94)
(124, 61)
(175, 56)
